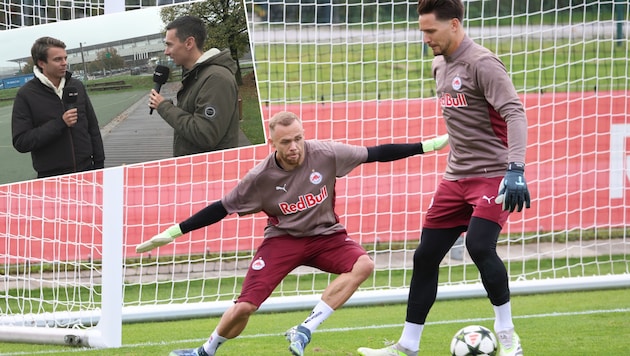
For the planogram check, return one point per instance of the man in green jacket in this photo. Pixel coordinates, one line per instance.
(206, 117)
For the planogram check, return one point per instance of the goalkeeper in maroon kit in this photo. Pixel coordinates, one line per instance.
(295, 188)
(484, 179)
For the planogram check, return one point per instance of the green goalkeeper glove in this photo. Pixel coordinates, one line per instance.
(435, 144)
(161, 239)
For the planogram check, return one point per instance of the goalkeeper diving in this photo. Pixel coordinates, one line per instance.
(295, 187)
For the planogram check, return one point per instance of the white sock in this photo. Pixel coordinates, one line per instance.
(503, 317)
(410, 337)
(320, 313)
(213, 343)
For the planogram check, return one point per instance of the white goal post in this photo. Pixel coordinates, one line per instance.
(66, 324)
(355, 72)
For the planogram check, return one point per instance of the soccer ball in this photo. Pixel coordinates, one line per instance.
(474, 340)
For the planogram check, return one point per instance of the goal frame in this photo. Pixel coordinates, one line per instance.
(33, 328)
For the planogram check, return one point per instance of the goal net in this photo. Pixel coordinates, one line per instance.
(356, 72)
(359, 72)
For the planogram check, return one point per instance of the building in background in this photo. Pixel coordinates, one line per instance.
(22, 13)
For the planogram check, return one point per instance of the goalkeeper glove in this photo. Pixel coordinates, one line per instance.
(435, 144)
(163, 238)
(513, 190)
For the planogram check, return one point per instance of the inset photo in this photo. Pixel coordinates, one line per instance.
(94, 92)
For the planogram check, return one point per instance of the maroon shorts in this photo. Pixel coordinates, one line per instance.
(278, 256)
(455, 202)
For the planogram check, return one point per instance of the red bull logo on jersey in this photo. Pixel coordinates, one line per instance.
(304, 202)
(448, 101)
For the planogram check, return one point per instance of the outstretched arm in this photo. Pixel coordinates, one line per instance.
(206, 216)
(209, 215)
(393, 151)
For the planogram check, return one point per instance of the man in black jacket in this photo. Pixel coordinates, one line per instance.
(63, 136)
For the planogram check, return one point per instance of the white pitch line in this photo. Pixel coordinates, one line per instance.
(322, 331)
(458, 321)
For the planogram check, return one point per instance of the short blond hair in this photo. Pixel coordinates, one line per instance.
(283, 118)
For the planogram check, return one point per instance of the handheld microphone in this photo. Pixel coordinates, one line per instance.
(160, 76)
(69, 97)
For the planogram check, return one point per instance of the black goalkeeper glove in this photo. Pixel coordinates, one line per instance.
(513, 190)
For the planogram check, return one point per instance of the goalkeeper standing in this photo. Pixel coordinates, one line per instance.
(483, 181)
(295, 187)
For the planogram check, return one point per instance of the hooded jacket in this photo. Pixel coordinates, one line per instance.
(206, 117)
(38, 128)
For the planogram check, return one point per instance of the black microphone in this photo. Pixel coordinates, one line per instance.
(160, 76)
(69, 98)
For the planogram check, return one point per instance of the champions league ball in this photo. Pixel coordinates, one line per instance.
(474, 340)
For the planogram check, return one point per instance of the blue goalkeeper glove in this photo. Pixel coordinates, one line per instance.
(161, 239)
(435, 144)
(513, 190)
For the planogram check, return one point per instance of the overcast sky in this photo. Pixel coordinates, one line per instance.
(17, 43)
